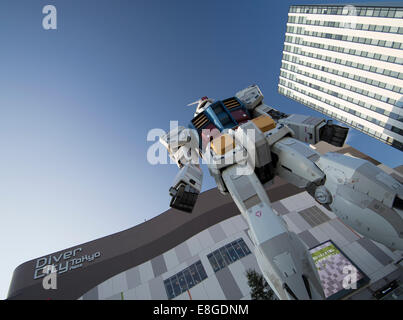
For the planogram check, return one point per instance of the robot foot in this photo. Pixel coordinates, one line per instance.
(289, 269)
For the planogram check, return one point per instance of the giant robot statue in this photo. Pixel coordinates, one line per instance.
(245, 143)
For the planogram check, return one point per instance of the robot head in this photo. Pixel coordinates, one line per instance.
(202, 104)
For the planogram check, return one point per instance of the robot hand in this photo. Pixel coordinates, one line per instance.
(186, 188)
(183, 197)
(333, 134)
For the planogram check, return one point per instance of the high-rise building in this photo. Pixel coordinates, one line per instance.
(205, 255)
(346, 61)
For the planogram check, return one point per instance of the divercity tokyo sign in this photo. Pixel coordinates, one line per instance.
(63, 262)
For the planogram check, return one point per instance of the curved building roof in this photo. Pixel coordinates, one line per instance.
(84, 266)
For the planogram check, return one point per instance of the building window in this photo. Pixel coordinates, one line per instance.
(228, 254)
(184, 280)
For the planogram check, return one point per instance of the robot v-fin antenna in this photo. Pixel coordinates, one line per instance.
(196, 102)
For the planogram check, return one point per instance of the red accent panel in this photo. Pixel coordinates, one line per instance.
(240, 115)
(208, 133)
(241, 122)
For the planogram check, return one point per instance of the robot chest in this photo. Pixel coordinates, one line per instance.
(221, 115)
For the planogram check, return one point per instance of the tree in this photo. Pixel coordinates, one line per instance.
(260, 289)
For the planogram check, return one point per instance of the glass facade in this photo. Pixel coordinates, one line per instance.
(369, 41)
(349, 67)
(228, 254)
(373, 11)
(337, 24)
(184, 280)
(340, 95)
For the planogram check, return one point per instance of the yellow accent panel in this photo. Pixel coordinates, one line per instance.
(223, 144)
(264, 123)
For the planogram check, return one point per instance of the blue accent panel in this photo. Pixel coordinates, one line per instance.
(220, 116)
(209, 112)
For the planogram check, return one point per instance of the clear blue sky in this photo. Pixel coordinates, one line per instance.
(76, 105)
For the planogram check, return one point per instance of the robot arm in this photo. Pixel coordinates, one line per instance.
(333, 134)
(305, 128)
(186, 188)
(182, 145)
(312, 130)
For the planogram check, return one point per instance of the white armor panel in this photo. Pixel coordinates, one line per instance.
(281, 255)
(305, 128)
(295, 162)
(183, 145)
(250, 96)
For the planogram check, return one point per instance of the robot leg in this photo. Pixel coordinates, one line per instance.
(283, 258)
